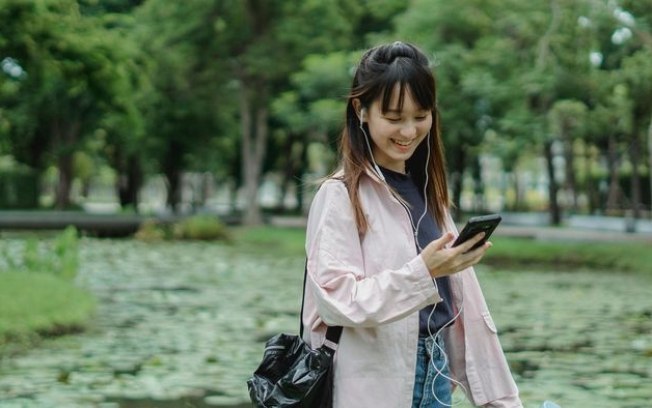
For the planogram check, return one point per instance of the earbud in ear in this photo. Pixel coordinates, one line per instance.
(362, 114)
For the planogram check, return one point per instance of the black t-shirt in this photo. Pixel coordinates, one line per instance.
(428, 231)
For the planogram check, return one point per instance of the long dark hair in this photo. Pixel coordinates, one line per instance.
(379, 71)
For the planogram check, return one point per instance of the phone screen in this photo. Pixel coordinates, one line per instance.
(475, 225)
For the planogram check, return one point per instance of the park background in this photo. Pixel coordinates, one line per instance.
(148, 127)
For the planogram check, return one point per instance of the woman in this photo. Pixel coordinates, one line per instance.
(380, 262)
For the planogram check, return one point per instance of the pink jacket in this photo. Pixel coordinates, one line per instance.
(374, 285)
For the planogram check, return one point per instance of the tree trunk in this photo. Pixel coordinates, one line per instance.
(614, 192)
(64, 184)
(206, 189)
(635, 188)
(555, 211)
(517, 205)
(289, 170)
(541, 102)
(649, 154)
(172, 169)
(298, 178)
(479, 202)
(253, 121)
(591, 192)
(569, 159)
(173, 200)
(66, 134)
(129, 183)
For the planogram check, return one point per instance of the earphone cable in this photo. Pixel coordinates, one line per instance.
(415, 228)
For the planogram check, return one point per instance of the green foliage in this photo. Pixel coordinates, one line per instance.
(151, 230)
(510, 252)
(521, 253)
(159, 86)
(78, 76)
(66, 251)
(58, 257)
(201, 227)
(198, 227)
(39, 304)
(19, 188)
(38, 296)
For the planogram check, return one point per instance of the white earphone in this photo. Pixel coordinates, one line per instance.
(366, 139)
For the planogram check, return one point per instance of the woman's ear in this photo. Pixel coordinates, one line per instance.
(359, 110)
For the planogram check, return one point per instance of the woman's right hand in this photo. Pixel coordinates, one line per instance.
(444, 261)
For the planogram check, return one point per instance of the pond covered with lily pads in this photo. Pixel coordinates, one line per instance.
(183, 325)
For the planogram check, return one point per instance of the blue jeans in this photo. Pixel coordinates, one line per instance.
(427, 378)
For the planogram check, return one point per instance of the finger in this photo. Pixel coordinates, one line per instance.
(443, 240)
(466, 246)
(471, 258)
(475, 255)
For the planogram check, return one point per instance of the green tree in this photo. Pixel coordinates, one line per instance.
(567, 120)
(622, 36)
(189, 104)
(483, 54)
(291, 29)
(311, 112)
(72, 76)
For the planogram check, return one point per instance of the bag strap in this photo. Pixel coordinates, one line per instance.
(333, 333)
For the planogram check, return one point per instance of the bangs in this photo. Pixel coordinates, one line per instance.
(408, 76)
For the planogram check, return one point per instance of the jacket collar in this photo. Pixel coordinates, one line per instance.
(339, 173)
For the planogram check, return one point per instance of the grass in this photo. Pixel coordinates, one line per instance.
(38, 296)
(35, 305)
(611, 256)
(281, 240)
(506, 252)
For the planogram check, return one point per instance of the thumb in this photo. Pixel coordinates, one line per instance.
(443, 240)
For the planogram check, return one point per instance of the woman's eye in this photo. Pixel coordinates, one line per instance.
(420, 118)
(394, 120)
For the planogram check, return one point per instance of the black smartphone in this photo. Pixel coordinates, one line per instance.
(475, 225)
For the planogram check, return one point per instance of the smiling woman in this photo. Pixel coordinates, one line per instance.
(379, 260)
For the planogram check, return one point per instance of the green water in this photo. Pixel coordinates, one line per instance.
(183, 324)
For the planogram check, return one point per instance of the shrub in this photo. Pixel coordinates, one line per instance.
(19, 189)
(58, 256)
(37, 294)
(201, 227)
(151, 230)
(198, 227)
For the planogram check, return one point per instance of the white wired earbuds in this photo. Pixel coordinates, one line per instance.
(366, 139)
(415, 228)
(439, 371)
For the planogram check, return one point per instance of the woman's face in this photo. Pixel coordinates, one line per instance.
(397, 133)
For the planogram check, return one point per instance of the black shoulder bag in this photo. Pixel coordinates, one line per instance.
(291, 373)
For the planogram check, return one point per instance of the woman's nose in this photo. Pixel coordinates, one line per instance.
(409, 130)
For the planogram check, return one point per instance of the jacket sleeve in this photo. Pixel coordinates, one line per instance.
(344, 294)
(512, 401)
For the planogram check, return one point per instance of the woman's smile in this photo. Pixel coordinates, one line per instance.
(402, 143)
